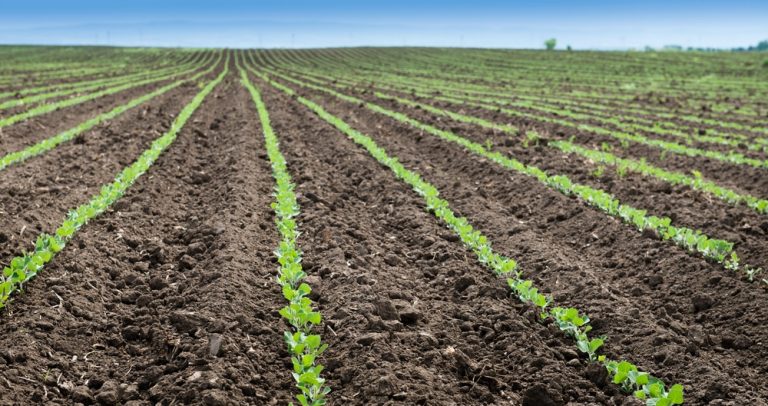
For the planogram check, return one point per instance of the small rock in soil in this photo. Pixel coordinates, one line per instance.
(538, 395)
(198, 178)
(83, 395)
(215, 398)
(157, 283)
(196, 248)
(702, 302)
(463, 283)
(214, 344)
(185, 322)
(107, 397)
(368, 339)
(736, 342)
(410, 315)
(655, 280)
(141, 266)
(130, 392)
(386, 310)
(573, 363)
(187, 262)
(132, 333)
(386, 384)
(569, 354)
(393, 260)
(597, 374)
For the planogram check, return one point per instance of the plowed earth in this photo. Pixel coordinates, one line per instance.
(170, 296)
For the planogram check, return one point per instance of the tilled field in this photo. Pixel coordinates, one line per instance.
(158, 251)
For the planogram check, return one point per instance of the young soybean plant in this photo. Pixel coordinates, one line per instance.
(303, 346)
(640, 384)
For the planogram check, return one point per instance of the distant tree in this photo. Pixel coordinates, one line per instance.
(761, 46)
(568, 48)
(550, 44)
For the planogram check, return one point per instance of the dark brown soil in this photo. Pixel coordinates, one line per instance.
(25, 133)
(182, 262)
(744, 177)
(47, 186)
(170, 297)
(31, 81)
(669, 311)
(411, 316)
(687, 207)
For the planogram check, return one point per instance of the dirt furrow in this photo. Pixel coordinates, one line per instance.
(25, 133)
(642, 293)
(740, 177)
(687, 207)
(411, 316)
(170, 297)
(37, 193)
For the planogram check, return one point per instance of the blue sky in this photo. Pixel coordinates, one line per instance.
(509, 24)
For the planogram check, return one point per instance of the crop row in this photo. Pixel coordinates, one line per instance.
(26, 266)
(52, 142)
(760, 143)
(608, 78)
(526, 79)
(46, 108)
(69, 71)
(718, 250)
(622, 165)
(457, 96)
(303, 346)
(378, 72)
(428, 87)
(569, 320)
(48, 87)
(92, 85)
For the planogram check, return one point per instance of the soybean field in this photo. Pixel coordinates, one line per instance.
(359, 226)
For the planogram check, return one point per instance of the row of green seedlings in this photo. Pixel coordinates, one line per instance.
(24, 96)
(732, 140)
(87, 65)
(606, 109)
(641, 384)
(656, 128)
(696, 182)
(605, 114)
(694, 242)
(430, 83)
(666, 146)
(29, 264)
(622, 165)
(58, 67)
(47, 108)
(376, 72)
(718, 250)
(52, 142)
(57, 74)
(497, 105)
(304, 347)
(92, 85)
(185, 60)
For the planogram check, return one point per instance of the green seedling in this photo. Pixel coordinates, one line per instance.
(599, 171)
